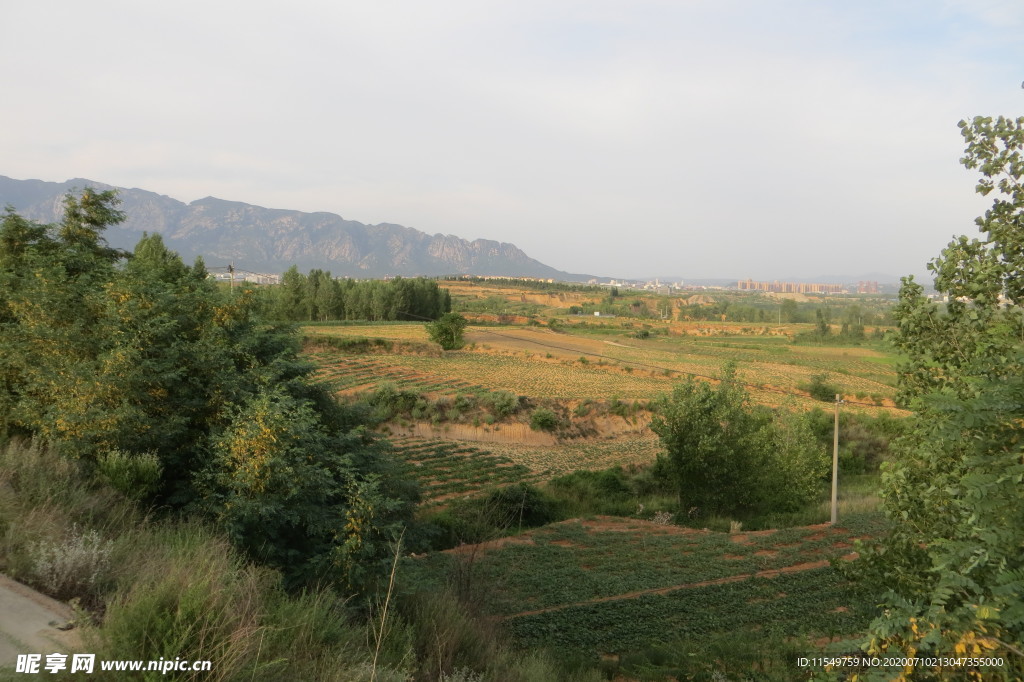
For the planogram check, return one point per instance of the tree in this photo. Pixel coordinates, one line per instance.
(149, 359)
(726, 456)
(448, 331)
(788, 311)
(953, 563)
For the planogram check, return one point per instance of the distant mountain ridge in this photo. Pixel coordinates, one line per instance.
(271, 240)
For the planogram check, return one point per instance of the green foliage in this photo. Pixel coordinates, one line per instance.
(544, 419)
(499, 512)
(864, 442)
(134, 476)
(448, 331)
(821, 389)
(320, 297)
(725, 456)
(503, 403)
(953, 565)
(611, 492)
(139, 367)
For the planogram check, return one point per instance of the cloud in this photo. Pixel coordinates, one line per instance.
(696, 138)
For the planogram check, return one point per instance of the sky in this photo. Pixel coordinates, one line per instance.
(668, 138)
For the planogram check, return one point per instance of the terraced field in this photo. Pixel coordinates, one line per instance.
(346, 372)
(396, 331)
(542, 364)
(594, 595)
(567, 457)
(445, 469)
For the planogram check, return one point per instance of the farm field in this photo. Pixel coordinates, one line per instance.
(448, 468)
(590, 455)
(580, 365)
(445, 469)
(396, 331)
(613, 587)
(595, 596)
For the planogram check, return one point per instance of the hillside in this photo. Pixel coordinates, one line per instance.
(271, 240)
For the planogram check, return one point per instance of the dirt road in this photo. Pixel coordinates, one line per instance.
(25, 624)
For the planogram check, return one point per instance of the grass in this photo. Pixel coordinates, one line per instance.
(167, 589)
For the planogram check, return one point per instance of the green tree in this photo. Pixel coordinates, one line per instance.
(953, 563)
(149, 359)
(448, 331)
(788, 311)
(821, 325)
(726, 456)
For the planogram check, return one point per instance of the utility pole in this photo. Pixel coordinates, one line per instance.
(835, 465)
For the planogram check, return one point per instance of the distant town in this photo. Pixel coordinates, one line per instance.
(232, 274)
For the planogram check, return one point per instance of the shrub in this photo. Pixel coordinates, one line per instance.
(76, 567)
(543, 419)
(503, 403)
(134, 476)
(821, 389)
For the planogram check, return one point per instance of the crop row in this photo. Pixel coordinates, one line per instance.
(346, 372)
(588, 455)
(816, 602)
(585, 565)
(535, 377)
(445, 468)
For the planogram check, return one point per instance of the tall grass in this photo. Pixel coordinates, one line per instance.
(169, 588)
(166, 589)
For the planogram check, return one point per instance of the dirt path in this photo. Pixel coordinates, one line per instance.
(769, 573)
(25, 623)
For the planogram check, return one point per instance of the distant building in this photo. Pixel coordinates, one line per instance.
(791, 287)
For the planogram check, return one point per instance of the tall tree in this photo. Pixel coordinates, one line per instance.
(148, 356)
(953, 563)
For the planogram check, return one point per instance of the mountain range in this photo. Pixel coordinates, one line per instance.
(271, 240)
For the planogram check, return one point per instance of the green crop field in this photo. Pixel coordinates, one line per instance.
(344, 371)
(615, 585)
(572, 456)
(445, 469)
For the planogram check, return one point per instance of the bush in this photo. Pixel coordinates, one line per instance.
(134, 476)
(389, 401)
(727, 457)
(543, 419)
(76, 567)
(821, 389)
(503, 403)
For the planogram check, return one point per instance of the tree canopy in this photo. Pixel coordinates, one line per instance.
(103, 351)
(953, 563)
(448, 331)
(727, 456)
(320, 297)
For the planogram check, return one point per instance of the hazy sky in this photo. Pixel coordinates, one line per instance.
(692, 138)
